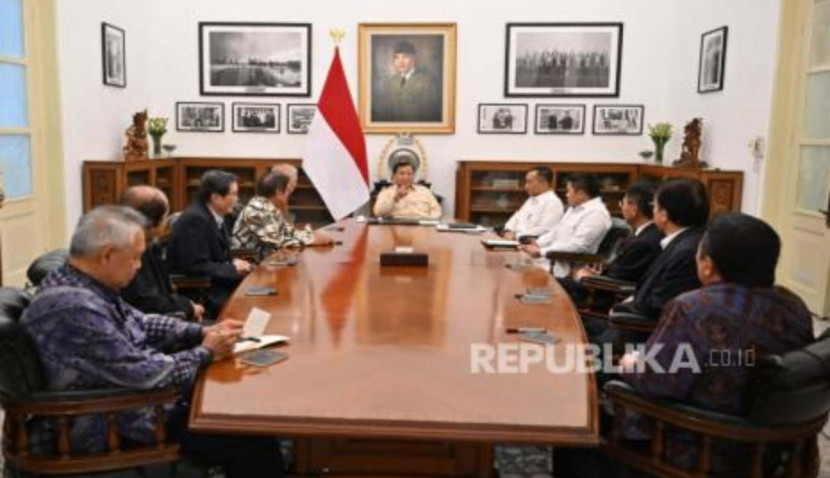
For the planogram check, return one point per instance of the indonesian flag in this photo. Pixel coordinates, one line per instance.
(335, 158)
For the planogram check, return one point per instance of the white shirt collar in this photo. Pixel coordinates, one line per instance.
(540, 197)
(593, 203)
(642, 228)
(408, 74)
(664, 243)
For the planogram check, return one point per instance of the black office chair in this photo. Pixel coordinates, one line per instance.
(787, 405)
(44, 264)
(24, 399)
(606, 252)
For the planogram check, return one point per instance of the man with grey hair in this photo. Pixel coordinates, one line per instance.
(89, 338)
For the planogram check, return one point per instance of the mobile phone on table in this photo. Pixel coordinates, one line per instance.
(260, 290)
(538, 338)
(263, 358)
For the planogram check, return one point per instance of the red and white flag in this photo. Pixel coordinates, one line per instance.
(335, 158)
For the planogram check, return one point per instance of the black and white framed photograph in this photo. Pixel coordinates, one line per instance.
(200, 116)
(255, 118)
(113, 55)
(560, 119)
(503, 118)
(618, 119)
(712, 60)
(298, 117)
(563, 59)
(255, 59)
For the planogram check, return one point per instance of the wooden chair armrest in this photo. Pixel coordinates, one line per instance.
(704, 422)
(608, 284)
(631, 321)
(574, 257)
(87, 402)
(181, 281)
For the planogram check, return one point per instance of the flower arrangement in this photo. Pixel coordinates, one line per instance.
(660, 134)
(156, 127)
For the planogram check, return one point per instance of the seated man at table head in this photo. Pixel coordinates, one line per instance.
(262, 226)
(540, 212)
(89, 338)
(199, 243)
(293, 175)
(404, 199)
(150, 290)
(582, 227)
(681, 210)
(738, 309)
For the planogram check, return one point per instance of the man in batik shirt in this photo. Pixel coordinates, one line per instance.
(89, 338)
(732, 322)
(262, 225)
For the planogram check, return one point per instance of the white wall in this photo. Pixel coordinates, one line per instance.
(95, 116)
(732, 117)
(659, 70)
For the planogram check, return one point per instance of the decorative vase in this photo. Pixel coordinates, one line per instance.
(156, 144)
(659, 146)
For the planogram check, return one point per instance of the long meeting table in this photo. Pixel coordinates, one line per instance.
(381, 378)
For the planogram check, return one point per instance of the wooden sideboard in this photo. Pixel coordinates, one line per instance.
(104, 181)
(488, 192)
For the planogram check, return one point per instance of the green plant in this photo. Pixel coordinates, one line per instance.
(157, 126)
(660, 131)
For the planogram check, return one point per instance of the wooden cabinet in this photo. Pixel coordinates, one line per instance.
(104, 181)
(488, 192)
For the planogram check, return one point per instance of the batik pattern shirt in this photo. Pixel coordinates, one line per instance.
(261, 227)
(89, 338)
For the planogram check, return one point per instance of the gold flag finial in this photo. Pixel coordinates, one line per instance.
(337, 35)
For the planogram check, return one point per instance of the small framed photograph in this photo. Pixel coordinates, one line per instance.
(255, 118)
(299, 117)
(200, 116)
(255, 59)
(560, 119)
(114, 56)
(563, 59)
(618, 119)
(712, 60)
(504, 118)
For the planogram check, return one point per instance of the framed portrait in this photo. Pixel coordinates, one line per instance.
(563, 59)
(560, 119)
(299, 117)
(619, 120)
(113, 55)
(200, 116)
(712, 60)
(407, 77)
(255, 59)
(503, 118)
(255, 118)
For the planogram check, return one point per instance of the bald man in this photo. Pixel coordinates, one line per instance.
(150, 290)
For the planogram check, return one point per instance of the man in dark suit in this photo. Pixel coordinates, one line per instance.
(200, 241)
(150, 290)
(637, 252)
(681, 210)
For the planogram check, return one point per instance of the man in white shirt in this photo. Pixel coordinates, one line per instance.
(582, 227)
(542, 210)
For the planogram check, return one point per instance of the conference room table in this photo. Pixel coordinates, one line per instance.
(380, 375)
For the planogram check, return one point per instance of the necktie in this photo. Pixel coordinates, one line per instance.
(403, 81)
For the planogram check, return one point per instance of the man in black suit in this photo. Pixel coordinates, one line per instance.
(150, 290)
(200, 241)
(637, 252)
(681, 210)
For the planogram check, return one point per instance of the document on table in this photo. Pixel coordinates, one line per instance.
(254, 328)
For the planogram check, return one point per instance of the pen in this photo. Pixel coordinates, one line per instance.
(526, 330)
(249, 339)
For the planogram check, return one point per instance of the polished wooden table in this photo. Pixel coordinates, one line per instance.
(379, 380)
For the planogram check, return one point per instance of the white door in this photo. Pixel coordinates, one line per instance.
(806, 236)
(31, 220)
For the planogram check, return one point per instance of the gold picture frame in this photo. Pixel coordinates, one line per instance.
(407, 75)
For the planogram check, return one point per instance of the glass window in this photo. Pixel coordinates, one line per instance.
(13, 110)
(15, 163)
(817, 105)
(820, 47)
(813, 173)
(11, 28)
